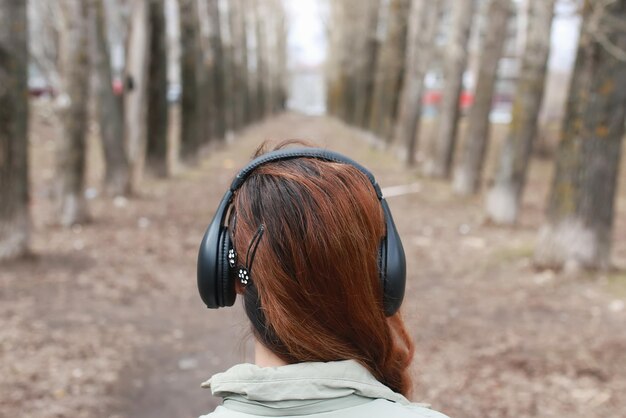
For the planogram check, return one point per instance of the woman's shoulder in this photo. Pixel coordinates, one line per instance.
(397, 410)
(426, 412)
(222, 412)
(374, 409)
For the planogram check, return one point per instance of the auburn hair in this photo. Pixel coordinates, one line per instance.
(315, 291)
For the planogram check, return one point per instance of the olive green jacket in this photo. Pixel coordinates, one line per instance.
(330, 390)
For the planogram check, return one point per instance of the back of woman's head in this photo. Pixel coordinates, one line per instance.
(315, 292)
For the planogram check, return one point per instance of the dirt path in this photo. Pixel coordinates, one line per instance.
(106, 322)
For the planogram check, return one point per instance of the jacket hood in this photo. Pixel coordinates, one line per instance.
(300, 382)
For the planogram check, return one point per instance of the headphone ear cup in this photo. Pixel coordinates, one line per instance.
(392, 265)
(207, 267)
(226, 284)
(210, 259)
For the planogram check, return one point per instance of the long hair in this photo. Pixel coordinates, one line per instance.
(315, 291)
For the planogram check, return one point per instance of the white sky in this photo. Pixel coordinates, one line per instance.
(307, 37)
(565, 30)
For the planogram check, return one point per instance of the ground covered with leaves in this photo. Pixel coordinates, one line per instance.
(104, 319)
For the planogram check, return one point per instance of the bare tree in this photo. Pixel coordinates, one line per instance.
(44, 22)
(468, 173)
(15, 221)
(191, 115)
(334, 89)
(423, 24)
(250, 17)
(241, 28)
(580, 212)
(218, 109)
(205, 72)
(388, 81)
(271, 15)
(228, 63)
(364, 81)
(262, 57)
(72, 108)
(503, 198)
(280, 46)
(455, 60)
(157, 116)
(109, 107)
(349, 38)
(238, 74)
(135, 96)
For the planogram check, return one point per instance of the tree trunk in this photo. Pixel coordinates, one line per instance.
(232, 60)
(230, 76)
(423, 24)
(219, 77)
(455, 60)
(503, 199)
(281, 57)
(350, 37)
(523, 11)
(204, 80)
(334, 89)
(135, 97)
(109, 107)
(389, 71)
(252, 82)
(268, 42)
(580, 211)
(261, 56)
(364, 82)
(157, 112)
(191, 137)
(15, 221)
(468, 173)
(242, 30)
(237, 73)
(72, 107)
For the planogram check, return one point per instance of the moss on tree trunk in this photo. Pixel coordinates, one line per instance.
(15, 221)
(582, 198)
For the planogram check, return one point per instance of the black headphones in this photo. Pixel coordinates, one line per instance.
(216, 276)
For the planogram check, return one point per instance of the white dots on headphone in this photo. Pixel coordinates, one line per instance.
(232, 258)
(244, 277)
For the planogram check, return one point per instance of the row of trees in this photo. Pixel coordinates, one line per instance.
(232, 71)
(382, 51)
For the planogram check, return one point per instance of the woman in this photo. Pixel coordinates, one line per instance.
(306, 238)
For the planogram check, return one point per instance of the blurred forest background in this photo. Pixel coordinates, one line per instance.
(494, 126)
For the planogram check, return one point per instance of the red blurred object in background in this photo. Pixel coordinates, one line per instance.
(118, 86)
(433, 98)
(466, 100)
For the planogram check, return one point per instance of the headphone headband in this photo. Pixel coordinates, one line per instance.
(290, 153)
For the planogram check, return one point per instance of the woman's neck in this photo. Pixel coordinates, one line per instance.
(264, 357)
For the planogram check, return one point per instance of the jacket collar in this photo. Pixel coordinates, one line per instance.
(300, 382)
